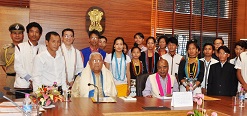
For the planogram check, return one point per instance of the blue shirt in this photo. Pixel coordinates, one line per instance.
(86, 53)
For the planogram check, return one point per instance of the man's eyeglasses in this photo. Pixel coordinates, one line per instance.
(68, 36)
(223, 53)
(94, 38)
(97, 61)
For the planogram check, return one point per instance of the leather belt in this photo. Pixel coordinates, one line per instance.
(11, 74)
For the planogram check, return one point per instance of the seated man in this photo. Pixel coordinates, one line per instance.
(161, 83)
(94, 73)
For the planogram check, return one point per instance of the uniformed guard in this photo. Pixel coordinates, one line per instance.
(7, 54)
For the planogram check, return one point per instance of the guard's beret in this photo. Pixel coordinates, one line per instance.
(16, 26)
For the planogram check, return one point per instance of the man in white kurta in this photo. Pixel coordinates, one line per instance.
(49, 66)
(241, 66)
(160, 84)
(94, 73)
(172, 57)
(72, 56)
(24, 56)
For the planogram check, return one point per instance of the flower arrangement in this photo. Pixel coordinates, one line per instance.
(200, 111)
(46, 96)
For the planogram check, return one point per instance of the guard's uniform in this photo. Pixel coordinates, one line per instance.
(7, 56)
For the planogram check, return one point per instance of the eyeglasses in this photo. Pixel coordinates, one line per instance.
(97, 61)
(68, 36)
(223, 53)
(94, 38)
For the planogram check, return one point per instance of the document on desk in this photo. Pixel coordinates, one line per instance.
(10, 109)
(182, 99)
(129, 98)
(10, 104)
(164, 98)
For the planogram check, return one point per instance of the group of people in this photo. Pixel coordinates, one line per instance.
(30, 65)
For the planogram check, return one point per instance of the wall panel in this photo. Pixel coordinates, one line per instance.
(242, 20)
(123, 18)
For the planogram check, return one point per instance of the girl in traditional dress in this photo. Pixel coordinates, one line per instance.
(136, 65)
(191, 70)
(150, 57)
(162, 40)
(119, 64)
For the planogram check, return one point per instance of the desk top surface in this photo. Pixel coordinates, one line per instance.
(84, 106)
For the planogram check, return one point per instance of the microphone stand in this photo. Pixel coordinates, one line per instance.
(97, 94)
(15, 104)
(89, 84)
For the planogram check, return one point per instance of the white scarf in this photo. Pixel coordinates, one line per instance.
(70, 61)
(81, 88)
(118, 68)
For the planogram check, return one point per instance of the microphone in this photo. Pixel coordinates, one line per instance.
(89, 84)
(2, 96)
(13, 90)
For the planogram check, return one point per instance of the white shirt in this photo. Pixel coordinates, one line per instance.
(206, 71)
(234, 60)
(23, 65)
(73, 61)
(112, 62)
(242, 65)
(47, 70)
(173, 62)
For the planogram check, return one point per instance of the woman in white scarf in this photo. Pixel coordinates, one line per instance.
(119, 64)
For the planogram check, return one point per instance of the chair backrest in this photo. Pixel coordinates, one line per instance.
(141, 83)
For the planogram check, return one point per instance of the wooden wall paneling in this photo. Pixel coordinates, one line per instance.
(123, 18)
(241, 19)
(8, 16)
(15, 3)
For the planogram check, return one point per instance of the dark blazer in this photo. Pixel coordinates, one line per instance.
(222, 81)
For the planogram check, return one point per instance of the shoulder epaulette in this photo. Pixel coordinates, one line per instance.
(6, 46)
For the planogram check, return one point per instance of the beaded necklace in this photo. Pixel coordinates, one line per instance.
(134, 68)
(195, 70)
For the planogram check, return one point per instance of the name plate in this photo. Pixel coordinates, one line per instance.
(182, 99)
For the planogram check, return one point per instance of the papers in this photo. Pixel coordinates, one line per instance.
(104, 99)
(129, 98)
(164, 98)
(10, 109)
(182, 99)
(10, 104)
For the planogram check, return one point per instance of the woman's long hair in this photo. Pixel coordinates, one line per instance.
(113, 50)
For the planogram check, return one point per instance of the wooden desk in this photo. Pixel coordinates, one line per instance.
(85, 107)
